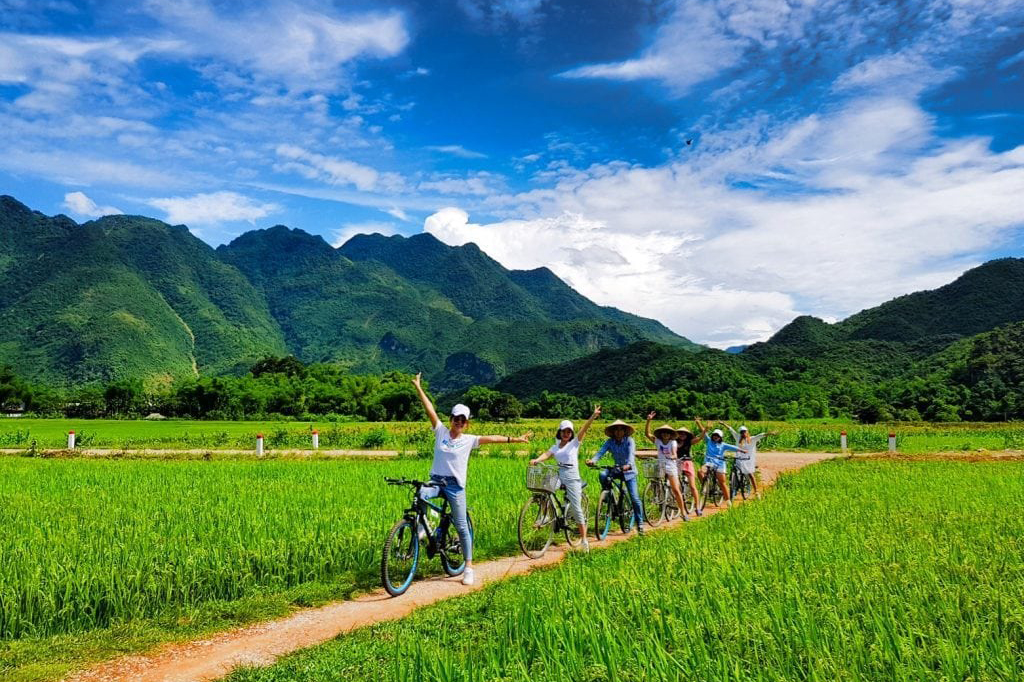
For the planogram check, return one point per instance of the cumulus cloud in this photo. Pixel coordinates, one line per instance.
(80, 204)
(825, 215)
(212, 208)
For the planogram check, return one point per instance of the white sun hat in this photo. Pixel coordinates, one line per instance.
(743, 428)
(566, 424)
(717, 432)
(460, 410)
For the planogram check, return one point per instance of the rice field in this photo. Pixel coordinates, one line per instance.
(850, 570)
(89, 544)
(414, 437)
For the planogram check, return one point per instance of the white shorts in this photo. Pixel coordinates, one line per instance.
(670, 467)
(713, 466)
(746, 466)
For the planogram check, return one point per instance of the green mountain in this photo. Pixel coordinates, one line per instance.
(382, 303)
(956, 352)
(128, 297)
(483, 289)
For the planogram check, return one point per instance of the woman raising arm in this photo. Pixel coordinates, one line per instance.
(452, 446)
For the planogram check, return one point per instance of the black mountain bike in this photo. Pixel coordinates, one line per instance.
(614, 503)
(739, 482)
(545, 514)
(710, 490)
(401, 554)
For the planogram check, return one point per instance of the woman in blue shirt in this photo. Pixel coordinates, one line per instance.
(714, 459)
(620, 443)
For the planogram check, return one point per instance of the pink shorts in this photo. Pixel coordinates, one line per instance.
(686, 466)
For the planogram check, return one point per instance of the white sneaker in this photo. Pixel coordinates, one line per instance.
(467, 576)
(586, 545)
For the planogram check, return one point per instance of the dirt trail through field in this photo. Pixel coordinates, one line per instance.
(161, 453)
(262, 644)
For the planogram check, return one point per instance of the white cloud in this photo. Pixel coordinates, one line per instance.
(825, 215)
(480, 184)
(346, 232)
(457, 150)
(212, 208)
(80, 204)
(396, 212)
(301, 44)
(336, 171)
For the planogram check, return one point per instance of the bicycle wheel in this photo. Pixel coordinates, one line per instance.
(572, 531)
(745, 487)
(605, 513)
(671, 507)
(687, 494)
(536, 525)
(400, 557)
(654, 505)
(452, 560)
(710, 491)
(626, 512)
(734, 482)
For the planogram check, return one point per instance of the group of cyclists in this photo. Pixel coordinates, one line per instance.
(452, 446)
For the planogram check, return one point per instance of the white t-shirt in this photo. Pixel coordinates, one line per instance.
(451, 455)
(568, 457)
(666, 451)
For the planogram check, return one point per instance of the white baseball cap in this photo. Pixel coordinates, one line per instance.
(744, 428)
(460, 410)
(566, 424)
(717, 432)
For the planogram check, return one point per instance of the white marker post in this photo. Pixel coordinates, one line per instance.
(892, 442)
(842, 440)
(259, 444)
(71, 440)
(316, 439)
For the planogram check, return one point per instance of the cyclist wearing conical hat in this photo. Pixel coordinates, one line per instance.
(685, 441)
(620, 443)
(664, 438)
(566, 452)
(452, 446)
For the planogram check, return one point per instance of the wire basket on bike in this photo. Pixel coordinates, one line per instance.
(651, 468)
(542, 478)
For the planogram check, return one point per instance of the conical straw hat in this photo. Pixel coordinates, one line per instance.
(666, 427)
(618, 422)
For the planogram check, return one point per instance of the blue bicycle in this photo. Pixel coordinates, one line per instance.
(401, 554)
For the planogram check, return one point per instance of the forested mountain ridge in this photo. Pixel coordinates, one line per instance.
(129, 297)
(959, 354)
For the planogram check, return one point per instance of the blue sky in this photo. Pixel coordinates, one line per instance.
(838, 157)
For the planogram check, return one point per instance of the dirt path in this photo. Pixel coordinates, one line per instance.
(158, 453)
(263, 643)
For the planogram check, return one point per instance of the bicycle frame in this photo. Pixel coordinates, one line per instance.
(418, 514)
(616, 485)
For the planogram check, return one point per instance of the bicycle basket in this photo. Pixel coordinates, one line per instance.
(542, 478)
(651, 468)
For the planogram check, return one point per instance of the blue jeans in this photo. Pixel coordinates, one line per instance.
(456, 496)
(634, 495)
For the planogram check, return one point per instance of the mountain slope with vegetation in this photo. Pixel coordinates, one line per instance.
(132, 298)
(959, 354)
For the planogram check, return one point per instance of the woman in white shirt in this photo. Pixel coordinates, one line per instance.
(566, 452)
(747, 463)
(452, 446)
(664, 438)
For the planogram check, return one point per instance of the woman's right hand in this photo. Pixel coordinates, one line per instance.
(534, 461)
(651, 416)
(417, 379)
